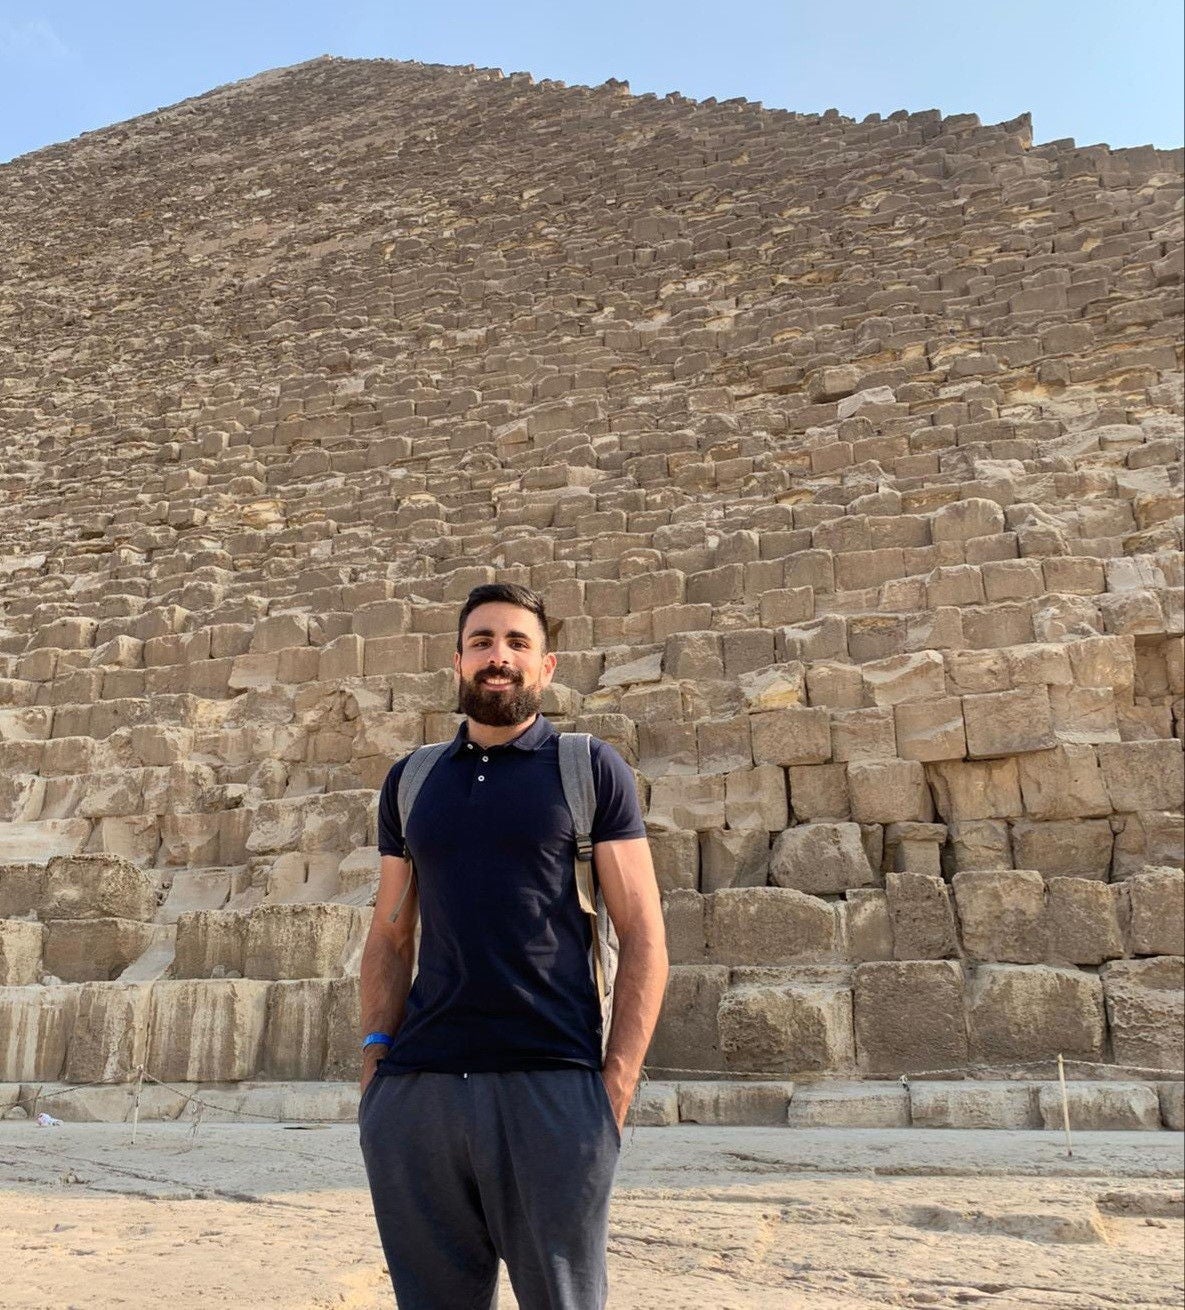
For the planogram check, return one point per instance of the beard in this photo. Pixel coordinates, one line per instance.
(498, 709)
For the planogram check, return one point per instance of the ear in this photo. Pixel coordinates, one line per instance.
(547, 672)
(457, 663)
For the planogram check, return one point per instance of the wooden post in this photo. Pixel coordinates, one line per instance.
(1061, 1077)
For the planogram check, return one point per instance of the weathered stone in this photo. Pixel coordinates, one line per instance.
(931, 730)
(293, 1044)
(799, 735)
(909, 1016)
(904, 678)
(820, 858)
(694, 804)
(1157, 900)
(86, 950)
(1143, 775)
(35, 1027)
(819, 791)
(97, 887)
(110, 1031)
(733, 1105)
(1002, 914)
(733, 858)
(889, 791)
(687, 1039)
(676, 859)
(1008, 722)
(787, 1027)
(1151, 838)
(1079, 848)
(974, 1104)
(1172, 1105)
(868, 929)
(756, 798)
(1084, 921)
(835, 1104)
(206, 1030)
(975, 789)
(1100, 1107)
(922, 917)
(965, 519)
(685, 915)
(1018, 1012)
(777, 687)
(1145, 1011)
(769, 925)
(978, 844)
(20, 952)
(1063, 783)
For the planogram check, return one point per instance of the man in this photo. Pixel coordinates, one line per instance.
(490, 1123)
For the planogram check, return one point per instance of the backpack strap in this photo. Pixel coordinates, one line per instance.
(576, 776)
(420, 764)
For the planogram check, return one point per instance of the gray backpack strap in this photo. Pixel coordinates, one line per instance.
(576, 775)
(419, 765)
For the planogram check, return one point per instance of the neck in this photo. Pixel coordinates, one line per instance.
(481, 734)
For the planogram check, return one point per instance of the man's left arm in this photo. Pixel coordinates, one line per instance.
(625, 873)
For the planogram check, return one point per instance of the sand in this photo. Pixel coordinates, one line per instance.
(716, 1219)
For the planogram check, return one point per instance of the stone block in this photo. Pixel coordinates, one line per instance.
(656, 1105)
(1151, 838)
(733, 858)
(337, 821)
(819, 791)
(787, 1027)
(723, 745)
(769, 925)
(1143, 775)
(687, 1038)
(889, 791)
(975, 789)
(963, 519)
(1103, 662)
(1100, 1107)
(1002, 914)
(978, 844)
(734, 1105)
(301, 941)
(97, 887)
(210, 943)
(931, 729)
(207, 1029)
(86, 950)
(821, 859)
(756, 798)
(20, 951)
(35, 1027)
(1077, 848)
(685, 915)
(900, 679)
(914, 847)
(110, 1033)
(922, 917)
(1172, 1105)
(867, 927)
(863, 735)
(797, 735)
(1008, 722)
(1021, 1012)
(834, 1104)
(293, 1044)
(676, 859)
(1084, 921)
(909, 1016)
(1145, 1011)
(1063, 783)
(688, 803)
(974, 1104)
(777, 687)
(1157, 900)
(22, 889)
(666, 749)
(343, 1059)
(695, 655)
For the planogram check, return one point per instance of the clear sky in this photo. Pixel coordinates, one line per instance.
(1096, 70)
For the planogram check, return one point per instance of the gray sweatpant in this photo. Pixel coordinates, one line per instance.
(467, 1168)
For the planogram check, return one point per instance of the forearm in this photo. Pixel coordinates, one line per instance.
(384, 984)
(637, 999)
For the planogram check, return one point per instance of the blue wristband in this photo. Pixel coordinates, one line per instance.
(377, 1039)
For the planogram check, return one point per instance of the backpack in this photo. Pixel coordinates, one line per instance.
(576, 777)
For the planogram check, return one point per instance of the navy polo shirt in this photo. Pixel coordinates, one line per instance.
(504, 980)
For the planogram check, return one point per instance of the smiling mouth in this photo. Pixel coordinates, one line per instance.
(497, 684)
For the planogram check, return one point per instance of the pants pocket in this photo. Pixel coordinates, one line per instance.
(607, 1106)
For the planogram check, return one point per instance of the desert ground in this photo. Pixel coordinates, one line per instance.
(277, 1218)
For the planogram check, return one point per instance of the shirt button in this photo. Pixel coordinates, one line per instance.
(485, 759)
(481, 777)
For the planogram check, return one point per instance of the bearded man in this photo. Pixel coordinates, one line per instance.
(491, 1114)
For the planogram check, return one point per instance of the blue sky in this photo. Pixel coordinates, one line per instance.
(1096, 70)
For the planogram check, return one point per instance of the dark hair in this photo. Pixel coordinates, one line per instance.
(507, 593)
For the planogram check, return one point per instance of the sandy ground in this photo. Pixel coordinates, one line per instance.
(248, 1218)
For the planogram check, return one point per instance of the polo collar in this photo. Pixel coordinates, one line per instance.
(538, 734)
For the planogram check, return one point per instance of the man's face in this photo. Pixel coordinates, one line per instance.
(501, 667)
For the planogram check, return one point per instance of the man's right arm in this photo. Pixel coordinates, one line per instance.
(388, 958)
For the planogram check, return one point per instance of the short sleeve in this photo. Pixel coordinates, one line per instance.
(618, 815)
(390, 829)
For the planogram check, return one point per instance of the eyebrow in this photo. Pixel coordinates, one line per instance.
(489, 632)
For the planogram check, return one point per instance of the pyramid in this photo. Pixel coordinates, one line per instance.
(846, 455)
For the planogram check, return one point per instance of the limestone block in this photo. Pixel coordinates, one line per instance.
(903, 678)
(1079, 848)
(723, 744)
(1143, 775)
(1008, 722)
(975, 789)
(20, 952)
(922, 916)
(909, 1016)
(676, 859)
(797, 735)
(1157, 899)
(977, 1104)
(656, 1105)
(1172, 1105)
(390, 735)
(889, 791)
(278, 632)
(110, 1032)
(821, 859)
(690, 803)
(787, 1027)
(835, 1104)
(687, 1039)
(832, 383)
(867, 927)
(209, 940)
(964, 519)
(1021, 1012)
(294, 1037)
(188, 840)
(206, 1029)
(756, 798)
(685, 915)
(979, 844)
(819, 791)
(97, 887)
(667, 748)
(86, 950)
(1149, 838)
(863, 735)
(1084, 921)
(1002, 914)
(1084, 714)
(776, 687)
(336, 821)
(731, 1105)
(1100, 1107)
(838, 686)
(1063, 783)
(733, 858)
(914, 847)
(1145, 1011)
(786, 605)
(769, 925)
(35, 1027)
(1103, 662)
(301, 941)
(695, 655)
(931, 729)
